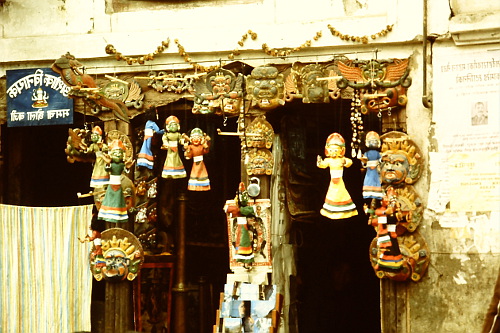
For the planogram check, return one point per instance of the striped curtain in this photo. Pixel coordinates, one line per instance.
(45, 280)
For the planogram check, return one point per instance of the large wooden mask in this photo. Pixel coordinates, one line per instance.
(265, 87)
(220, 91)
(401, 161)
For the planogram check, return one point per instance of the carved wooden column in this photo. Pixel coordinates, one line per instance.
(179, 289)
(118, 306)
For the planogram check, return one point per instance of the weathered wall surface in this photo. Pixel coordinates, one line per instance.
(465, 252)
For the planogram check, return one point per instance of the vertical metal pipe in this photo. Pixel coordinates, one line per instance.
(426, 98)
(203, 304)
(179, 289)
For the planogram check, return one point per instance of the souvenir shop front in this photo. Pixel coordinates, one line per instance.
(161, 172)
(211, 199)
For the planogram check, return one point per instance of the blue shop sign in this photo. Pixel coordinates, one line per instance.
(37, 97)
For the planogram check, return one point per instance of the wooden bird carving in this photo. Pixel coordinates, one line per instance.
(374, 74)
(83, 85)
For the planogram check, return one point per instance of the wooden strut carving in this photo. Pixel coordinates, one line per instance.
(398, 252)
(83, 85)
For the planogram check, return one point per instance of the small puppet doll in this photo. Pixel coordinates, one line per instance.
(243, 237)
(97, 226)
(388, 215)
(173, 167)
(114, 207)
(372, 188)
(195, 147)
(146, 158)
(100, 177)
(338, 203)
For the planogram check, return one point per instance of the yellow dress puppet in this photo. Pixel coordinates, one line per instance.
(338, 203)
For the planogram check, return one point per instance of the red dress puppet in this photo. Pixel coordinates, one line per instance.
(97, 226)
(196, 146)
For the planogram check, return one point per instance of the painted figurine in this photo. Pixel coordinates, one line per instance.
(372, 188)
(114, 207)
(243, 239)
(338, 203)
(145, 158)
(97, 226)
(173, 167)
(100, 177)
(195, 147)
(388, 215)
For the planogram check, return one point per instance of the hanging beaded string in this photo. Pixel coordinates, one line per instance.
(274, 52)
(357, 125)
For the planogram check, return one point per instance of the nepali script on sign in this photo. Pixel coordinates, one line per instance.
(37, 97)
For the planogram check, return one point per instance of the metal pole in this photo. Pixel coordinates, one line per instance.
(179, 289)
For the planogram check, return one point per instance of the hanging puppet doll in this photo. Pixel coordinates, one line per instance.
(100, 177)
(195, 147)
(145, 158)
(173, 167)
(113, 207)
(97, 226)
(372, 188)
(388, 215)
(338, 203)
(243, 239)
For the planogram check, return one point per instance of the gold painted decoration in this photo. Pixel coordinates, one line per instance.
(265, 88)
(168, 82)
(128, 156)
(259, 162)
(415, 254)
(127, 92)
(291, 86)
(260, 134)
(402, 162)
(121, 256)
(411, 207)
(77, 146)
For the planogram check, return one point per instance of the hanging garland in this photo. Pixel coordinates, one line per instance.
(284, 52)
(241, 43)
(359, 39)
(110, 49)
(274, 52)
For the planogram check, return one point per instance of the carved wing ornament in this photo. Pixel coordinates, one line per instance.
(374, 74)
